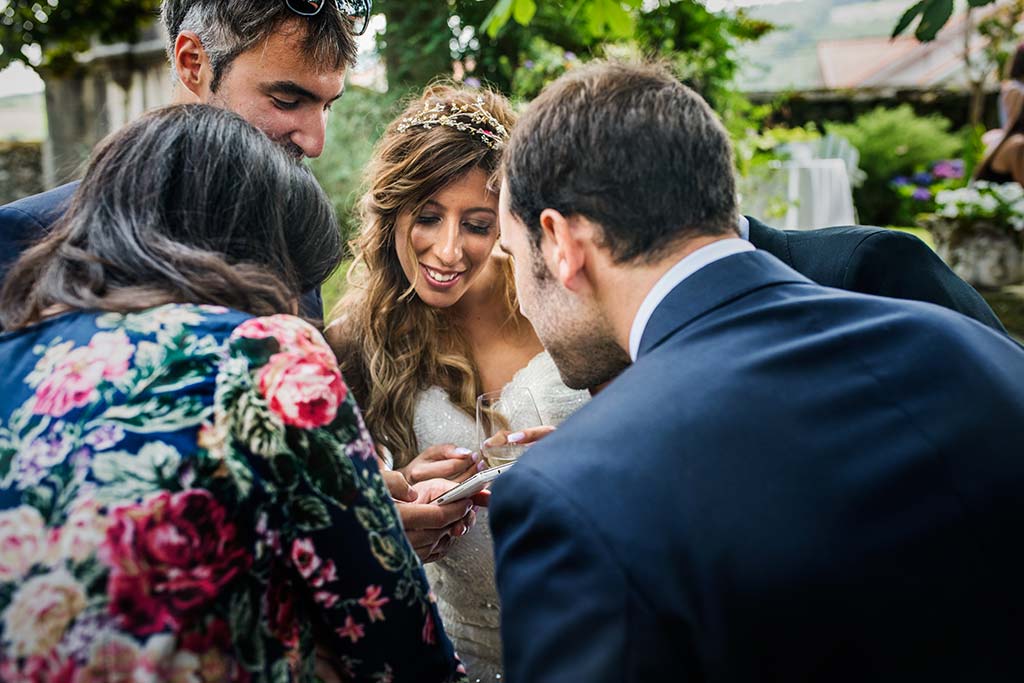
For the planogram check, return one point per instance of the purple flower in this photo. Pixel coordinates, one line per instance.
(472, 82)
(951, 169)
(528, 63)
(571, 56)
(924, 178)
(900, 181)
(922, 194)
(105, 436)
(35, 461)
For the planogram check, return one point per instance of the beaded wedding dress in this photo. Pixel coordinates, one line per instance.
(464, 580)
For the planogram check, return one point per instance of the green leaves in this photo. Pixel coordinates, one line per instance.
(62, 28)
(608, 18)
(310, 514)
(127, 476)
(933, 14)
(522, 11)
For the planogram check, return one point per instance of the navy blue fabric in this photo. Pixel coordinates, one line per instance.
(26, 220)
(873, 261)
(792, 483)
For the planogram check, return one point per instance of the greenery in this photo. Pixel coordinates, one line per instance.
(61, 28)
(999, 204)
(355, 124)
(933, 15)
(494, 41)
(894, 142)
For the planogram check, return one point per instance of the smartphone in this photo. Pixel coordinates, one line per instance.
(474, 484)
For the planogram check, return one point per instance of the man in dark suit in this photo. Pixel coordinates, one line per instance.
(872, 261)
(790, 483)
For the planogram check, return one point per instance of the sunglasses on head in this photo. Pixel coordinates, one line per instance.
(356, 10)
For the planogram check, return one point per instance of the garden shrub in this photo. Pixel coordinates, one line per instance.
(894, 142)
(356, 123)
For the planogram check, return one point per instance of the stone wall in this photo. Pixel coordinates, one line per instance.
(21, 170)
(113, 85)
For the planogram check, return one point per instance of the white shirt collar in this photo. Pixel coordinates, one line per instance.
(689, 265)
(744, 228)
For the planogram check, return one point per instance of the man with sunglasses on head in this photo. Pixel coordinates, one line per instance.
(280, 64)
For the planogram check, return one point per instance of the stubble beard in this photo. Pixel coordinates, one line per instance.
(580, 342)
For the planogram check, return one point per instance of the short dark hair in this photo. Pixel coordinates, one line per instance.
(188, 204)
(229, 28)
(629, 147)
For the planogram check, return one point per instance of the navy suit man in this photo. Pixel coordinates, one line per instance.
(790, 483)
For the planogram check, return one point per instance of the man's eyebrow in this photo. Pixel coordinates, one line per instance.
(296, 90)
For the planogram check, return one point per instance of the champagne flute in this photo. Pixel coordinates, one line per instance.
(510, 410)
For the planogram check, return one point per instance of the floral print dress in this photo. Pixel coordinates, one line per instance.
(188, 494)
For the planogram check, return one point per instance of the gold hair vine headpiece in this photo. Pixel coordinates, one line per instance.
(473, 119)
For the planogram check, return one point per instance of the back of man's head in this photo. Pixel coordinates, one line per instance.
(227, 28)
(628, 147)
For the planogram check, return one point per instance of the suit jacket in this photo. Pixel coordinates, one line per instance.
(792, 483)
(27, 220)
(873, 261)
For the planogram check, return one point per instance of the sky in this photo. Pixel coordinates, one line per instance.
(17, 79)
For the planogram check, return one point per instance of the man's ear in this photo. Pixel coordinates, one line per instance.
(564, 251)
(192, 64)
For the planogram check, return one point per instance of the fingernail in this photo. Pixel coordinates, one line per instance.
(481, 466)
(516, 437)
(462, 451)
(476, 457)
(489, 442)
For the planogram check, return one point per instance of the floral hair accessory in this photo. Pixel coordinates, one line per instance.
(473, 119)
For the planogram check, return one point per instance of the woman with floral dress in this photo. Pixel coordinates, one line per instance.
(187, 491)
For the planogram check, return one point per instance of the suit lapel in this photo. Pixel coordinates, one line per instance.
(775, 242)
(713, 286)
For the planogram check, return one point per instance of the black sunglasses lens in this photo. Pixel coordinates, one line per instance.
(359, 11)
(306, 8)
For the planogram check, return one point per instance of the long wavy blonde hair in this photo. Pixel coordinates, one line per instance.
(389, 343)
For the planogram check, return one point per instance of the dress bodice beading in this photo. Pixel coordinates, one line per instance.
(464, 580)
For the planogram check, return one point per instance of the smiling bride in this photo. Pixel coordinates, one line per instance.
(430, 321)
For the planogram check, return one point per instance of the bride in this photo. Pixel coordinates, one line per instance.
(430, 321)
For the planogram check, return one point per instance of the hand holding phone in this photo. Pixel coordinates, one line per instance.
(471, 486)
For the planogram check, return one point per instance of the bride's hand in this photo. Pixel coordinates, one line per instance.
(520, 438)
(442, 462)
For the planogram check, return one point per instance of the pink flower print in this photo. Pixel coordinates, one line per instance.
(304, 557)
(73, 381)
(325, 598)
(303, 389)
(327, 573)
(429, 630)
(351, 630)
(373, 602)
(71, 385)
(115, 350)
(170, 556)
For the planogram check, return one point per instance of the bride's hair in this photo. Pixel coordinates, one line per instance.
(389, 343)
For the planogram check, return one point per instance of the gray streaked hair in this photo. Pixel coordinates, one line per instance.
(227, 29)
